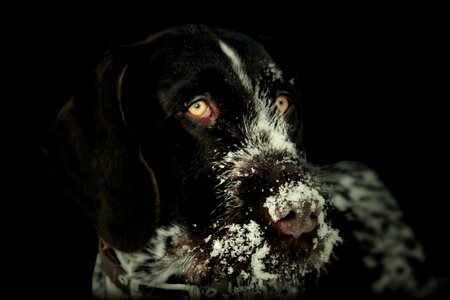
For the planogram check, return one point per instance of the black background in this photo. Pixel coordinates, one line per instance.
(372, 82)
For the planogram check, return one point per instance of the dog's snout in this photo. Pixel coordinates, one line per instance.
(290, 202)
(296, 223)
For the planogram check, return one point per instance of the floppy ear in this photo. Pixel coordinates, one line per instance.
(98, 160)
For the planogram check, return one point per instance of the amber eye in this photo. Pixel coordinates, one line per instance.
(282, 103)
(199, 109)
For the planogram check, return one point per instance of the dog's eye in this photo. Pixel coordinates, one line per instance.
(282, 104)
(199, 109)
(202, 108)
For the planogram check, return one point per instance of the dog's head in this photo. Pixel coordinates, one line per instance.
(188, 147)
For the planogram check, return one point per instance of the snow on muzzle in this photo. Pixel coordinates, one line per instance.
(294, 209)
(285, 195)
(280, 187)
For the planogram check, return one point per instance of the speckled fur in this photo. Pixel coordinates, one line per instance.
(225, 204)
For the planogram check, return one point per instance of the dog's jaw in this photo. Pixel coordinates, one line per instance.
(240, 254)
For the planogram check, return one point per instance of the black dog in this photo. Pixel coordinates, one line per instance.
(187, 153)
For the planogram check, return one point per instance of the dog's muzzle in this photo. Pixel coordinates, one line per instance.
(283, 192)
(291, 205)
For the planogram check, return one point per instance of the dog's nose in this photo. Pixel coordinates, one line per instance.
(296, 223)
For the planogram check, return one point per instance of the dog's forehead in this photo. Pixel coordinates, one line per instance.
(199, 48)
(194, 55)
(219, 46)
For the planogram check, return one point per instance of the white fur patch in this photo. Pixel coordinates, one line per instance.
(266, 132)
(237, 65)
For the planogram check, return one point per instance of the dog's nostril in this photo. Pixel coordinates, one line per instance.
(289, 216)
(295, 224)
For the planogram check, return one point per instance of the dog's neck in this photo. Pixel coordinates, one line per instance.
(112, 268)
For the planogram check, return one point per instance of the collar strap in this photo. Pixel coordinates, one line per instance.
(112, 268)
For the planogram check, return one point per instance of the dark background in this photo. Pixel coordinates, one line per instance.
(372, 82)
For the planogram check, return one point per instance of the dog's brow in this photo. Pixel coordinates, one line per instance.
(237, 64)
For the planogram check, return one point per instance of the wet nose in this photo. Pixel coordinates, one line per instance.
(297, 222)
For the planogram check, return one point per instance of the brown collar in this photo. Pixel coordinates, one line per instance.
(111, 267)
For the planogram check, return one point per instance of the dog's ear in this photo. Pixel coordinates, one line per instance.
(91, 150)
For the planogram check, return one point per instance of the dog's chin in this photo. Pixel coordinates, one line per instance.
(257, 262)
(303, 244)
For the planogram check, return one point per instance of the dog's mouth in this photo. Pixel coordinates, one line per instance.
(304, 242)
(269, 234)
(256, 259)
(278, 244)
(260, 248)
(247, 253)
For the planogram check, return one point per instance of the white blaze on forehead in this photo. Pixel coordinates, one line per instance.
(264, 122)
(266, 133)
(237, 64)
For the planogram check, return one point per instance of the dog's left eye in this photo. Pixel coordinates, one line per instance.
(282, 104)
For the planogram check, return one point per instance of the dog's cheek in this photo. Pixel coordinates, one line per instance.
(199, 198)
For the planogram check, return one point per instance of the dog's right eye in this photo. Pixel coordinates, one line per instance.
(199, 109)
(202, 108)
